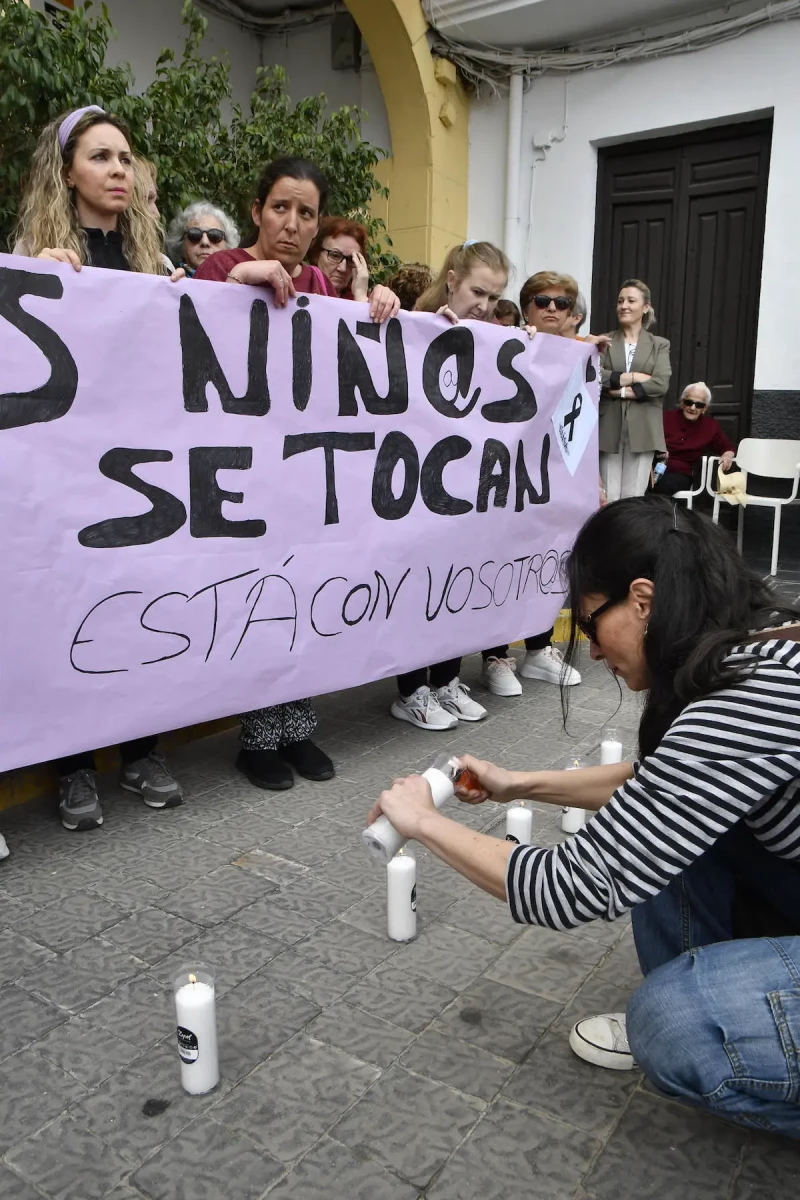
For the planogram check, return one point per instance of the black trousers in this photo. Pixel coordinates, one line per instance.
(671, 482)
(440, 675)
(129, 752)
(540, 642)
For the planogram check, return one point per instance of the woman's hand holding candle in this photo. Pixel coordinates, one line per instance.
(405, 804)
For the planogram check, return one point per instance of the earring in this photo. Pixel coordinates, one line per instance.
(644, 631)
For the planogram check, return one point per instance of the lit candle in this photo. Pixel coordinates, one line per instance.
(197, 1029)
(519, 824)
(401, 897)
(610, 748)
(381, 840)
(573, 819)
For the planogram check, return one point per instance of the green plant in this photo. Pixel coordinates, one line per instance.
(48, 67)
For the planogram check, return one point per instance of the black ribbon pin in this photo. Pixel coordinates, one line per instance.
(573, 414)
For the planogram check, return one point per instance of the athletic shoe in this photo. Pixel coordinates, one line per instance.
(78, 803)
(603, 1041)
(498, 675)
(308, 760)
(265, 769)
(149, 778)
(549, 665)
(455, 699)
(4, 850)
(422, 708)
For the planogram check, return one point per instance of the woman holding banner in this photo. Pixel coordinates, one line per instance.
(468, 287)
(701, 839)
(82, 206)
(286, 215)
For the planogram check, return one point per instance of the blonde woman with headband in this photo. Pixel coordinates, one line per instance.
(467, 288)
(84, 205)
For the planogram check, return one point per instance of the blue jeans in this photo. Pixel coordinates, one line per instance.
(716, 1022)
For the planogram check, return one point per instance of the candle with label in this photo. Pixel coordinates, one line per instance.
(401, 897)
(519, 824)
(382, 841)
(195, 1008)
(610, 748)
(573, 819)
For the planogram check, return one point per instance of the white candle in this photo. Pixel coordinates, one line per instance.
(381, 840)
(519, 824)
(4, 850)
(197, 1030)
(573, 819)
(401, 897)
(610, 748)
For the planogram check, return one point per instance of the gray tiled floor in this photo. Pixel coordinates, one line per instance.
(353, 1068)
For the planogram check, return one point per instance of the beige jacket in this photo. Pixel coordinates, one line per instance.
(645, 408)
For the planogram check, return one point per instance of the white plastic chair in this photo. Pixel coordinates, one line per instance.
(774, 458)
(688, 494)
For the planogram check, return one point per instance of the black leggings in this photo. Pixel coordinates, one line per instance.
(129, 752)
(440, 675)
(540, 642)
(671, 482)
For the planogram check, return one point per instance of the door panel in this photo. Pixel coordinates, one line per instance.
(686, 214)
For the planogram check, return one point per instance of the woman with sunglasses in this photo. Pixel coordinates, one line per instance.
(197, 232)
(700, 839)
(339, 250)
(547, 301)
(85, 203)
(635, 377)
(691, 433)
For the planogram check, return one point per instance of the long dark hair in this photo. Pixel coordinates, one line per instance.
(705, 598)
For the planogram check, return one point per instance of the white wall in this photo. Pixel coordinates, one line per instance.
(305, 54)
(747, 77)
(145, 27)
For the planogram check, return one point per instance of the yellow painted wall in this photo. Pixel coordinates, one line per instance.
(428, 114)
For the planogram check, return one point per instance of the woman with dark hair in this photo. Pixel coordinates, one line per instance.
(409, 282)
(506, 313)
(701, 838)
(286, 215)
(86, 203)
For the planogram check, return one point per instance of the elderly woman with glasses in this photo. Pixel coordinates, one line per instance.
(197, 232)
(690, 433)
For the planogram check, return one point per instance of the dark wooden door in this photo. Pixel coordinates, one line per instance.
(686, 215)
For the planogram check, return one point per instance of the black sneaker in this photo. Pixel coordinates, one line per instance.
(265, 769)
(78, 803)
(308, 760)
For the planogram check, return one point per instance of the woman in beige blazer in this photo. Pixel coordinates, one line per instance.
(635, 377)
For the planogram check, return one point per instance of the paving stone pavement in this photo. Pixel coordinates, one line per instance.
(353, 1068)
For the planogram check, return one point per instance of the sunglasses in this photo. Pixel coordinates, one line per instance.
(195, 235)
(337, 257)
(701, 404)
(562, 303)
(588, 625)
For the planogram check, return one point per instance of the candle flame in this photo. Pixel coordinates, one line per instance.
(192, 979)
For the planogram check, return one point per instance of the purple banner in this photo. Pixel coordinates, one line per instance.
(210, 504)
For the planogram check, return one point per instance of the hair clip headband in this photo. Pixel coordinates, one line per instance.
(469, 242)
(71, 120)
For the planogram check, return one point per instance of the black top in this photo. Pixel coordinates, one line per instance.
(105, 250)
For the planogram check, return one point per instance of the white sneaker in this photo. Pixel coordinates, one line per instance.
(603, 1041)
(455, 699)
(4, 850)
(549, 665)
(422, 708)
(497, 674)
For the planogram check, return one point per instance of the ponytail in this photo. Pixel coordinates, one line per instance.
(705, 599)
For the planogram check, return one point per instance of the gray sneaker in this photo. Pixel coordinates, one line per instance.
(78, 803)
(150, 779)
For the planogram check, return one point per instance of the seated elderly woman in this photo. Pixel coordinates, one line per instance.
(690, 433)
(197, 232)
(700, 839)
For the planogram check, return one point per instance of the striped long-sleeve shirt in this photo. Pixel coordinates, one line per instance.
(730, 756)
